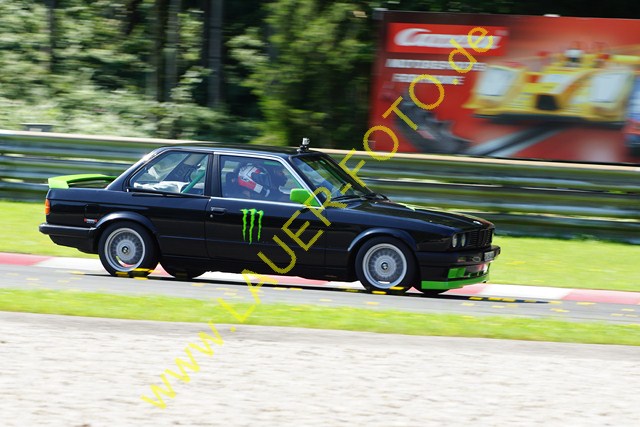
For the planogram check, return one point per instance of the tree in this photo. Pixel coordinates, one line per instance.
(309, 70)
(24, 50)
(211, 53)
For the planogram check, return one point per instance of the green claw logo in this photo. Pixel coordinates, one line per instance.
(252, 213)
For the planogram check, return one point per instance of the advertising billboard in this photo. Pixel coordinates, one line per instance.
(534, 87)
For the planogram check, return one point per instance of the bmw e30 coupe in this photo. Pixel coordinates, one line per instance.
(209, 207)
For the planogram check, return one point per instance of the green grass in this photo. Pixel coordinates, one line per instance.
(162, 308)
(587, 264)
(19, 232)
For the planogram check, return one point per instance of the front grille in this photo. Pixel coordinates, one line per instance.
(480, 238)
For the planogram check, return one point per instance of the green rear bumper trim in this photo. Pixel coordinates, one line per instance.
(453, 284)
(66, 181)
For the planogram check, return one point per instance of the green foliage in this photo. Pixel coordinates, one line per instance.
(311, 74)
(299, 67)
(82, 107)
(23, 44)
(95, 77)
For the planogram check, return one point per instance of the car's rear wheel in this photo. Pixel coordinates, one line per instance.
(127, 249)
(182, 273)
(385, 264)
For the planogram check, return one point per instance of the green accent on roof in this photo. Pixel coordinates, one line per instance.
(65, 181)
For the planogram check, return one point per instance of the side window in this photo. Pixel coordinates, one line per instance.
(256, 178)
(173, 172)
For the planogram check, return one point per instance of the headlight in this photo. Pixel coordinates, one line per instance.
(459, 240)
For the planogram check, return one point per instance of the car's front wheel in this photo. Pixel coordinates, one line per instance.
(127, 249)
(385, 264)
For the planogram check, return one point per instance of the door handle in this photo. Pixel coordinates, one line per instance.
(218, 211)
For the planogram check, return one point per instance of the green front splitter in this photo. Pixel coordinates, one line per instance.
(453, 284)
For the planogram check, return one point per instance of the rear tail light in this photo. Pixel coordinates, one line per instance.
(47, 207)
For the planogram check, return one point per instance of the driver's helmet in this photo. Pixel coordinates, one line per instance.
(255, 179)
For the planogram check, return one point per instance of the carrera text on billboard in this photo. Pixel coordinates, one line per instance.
(434, 39)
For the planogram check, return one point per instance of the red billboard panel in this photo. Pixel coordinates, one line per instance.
(554, 88)
(424, 38)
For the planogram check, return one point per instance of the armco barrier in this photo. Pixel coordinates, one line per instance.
(521, 197)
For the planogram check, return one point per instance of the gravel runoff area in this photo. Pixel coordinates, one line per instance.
(75, 371)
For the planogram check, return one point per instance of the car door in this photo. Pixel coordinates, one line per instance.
(245, 221)
(170, 191)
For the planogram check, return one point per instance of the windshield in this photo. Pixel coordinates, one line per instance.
(323, 172)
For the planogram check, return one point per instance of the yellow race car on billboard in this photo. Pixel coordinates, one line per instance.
(571, 87)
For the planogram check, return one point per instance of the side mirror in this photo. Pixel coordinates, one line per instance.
(302, 196)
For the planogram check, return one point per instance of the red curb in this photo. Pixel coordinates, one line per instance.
(468, 290)
(611, 297)
(578, 295)
(291, 280)
(21, 259)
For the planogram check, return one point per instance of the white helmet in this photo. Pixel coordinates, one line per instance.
(255, 178)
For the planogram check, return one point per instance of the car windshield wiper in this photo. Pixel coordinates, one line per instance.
(348, 197)
(375, 196)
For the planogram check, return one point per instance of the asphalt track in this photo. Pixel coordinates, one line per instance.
(77, 371)
(503, 300)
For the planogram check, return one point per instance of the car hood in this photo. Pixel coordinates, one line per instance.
(396, 210)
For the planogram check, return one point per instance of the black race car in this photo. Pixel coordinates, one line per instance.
(210, 207)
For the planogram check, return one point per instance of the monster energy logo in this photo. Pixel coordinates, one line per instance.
(252, 213)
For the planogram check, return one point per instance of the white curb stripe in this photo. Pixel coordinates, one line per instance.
(518, 291)
(84, 264)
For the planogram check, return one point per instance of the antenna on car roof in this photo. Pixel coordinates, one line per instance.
(304, 146)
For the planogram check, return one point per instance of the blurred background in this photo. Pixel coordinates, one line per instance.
(241, 71)
(272, 72)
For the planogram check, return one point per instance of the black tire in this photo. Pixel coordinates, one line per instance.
(430, 292)
(182, 273)
(385, 264)
(127, 249)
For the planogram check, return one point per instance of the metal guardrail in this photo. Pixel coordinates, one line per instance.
(521, 197)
